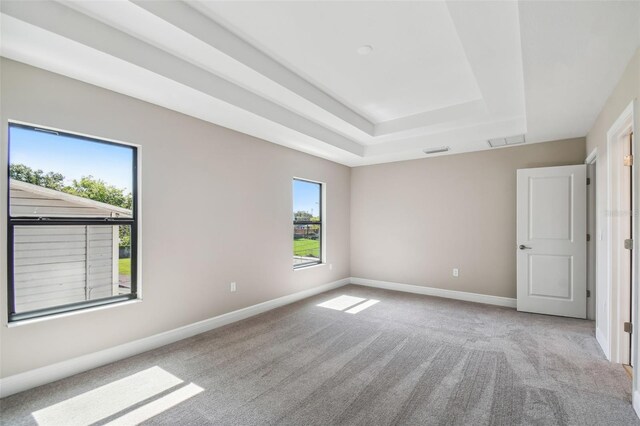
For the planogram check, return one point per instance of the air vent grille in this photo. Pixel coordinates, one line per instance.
(436, 150)
(507, 141)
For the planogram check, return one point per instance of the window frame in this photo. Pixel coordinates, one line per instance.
(13, 221)
(319, 223)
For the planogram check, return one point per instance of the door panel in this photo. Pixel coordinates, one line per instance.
(550, 208)
(550, 276)
(551, 252)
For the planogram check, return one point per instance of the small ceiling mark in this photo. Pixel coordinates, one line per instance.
(365, 50)
(509, 140)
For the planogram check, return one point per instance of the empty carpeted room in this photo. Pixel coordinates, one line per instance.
(319, 212)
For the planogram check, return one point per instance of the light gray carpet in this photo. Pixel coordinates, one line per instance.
(408, 359)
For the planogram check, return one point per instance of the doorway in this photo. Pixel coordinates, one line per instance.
(621, 273)
(627, 233)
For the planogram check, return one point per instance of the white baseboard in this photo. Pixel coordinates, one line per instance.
(438, 292)
(636, 402)
(603, 342)
(40, 376)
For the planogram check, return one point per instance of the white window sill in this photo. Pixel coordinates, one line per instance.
(315, 265)
(70, 313)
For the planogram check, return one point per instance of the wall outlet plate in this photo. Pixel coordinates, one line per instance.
(456, 272)
(232, 287)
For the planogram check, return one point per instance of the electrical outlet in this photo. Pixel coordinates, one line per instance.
(456, 272)
(331, 266)
(232, 287)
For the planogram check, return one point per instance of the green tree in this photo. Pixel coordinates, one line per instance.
(86, 187)
(24, 173)
(98, 190)
(302, 216)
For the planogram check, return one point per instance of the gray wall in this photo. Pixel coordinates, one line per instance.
(237, 226)
(412, 222)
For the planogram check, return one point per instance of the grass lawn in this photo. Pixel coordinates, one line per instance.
(306, 247)
(124, 266)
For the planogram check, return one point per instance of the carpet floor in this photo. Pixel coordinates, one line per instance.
(405, 359)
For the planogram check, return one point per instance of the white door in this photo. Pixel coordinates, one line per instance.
(552, 241)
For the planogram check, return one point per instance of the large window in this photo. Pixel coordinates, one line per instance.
(307, 223)
(72, 222)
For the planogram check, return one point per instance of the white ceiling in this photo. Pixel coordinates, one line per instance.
(418, 63)
(440, 74)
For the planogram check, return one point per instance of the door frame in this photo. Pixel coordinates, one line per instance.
(593, 226)
(618, 347)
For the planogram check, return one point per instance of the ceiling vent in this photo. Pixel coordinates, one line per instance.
(511, 140)
(436, 150)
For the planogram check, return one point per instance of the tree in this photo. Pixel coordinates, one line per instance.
(98, 190)
(24, 173)
(86, 187)
(302, 216)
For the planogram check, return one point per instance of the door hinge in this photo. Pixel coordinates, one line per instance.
(588, 293)
(628, 244)
(628, 327)
(588, 237)
(588, 181)
(628, 160)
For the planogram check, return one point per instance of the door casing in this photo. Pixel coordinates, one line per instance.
(617, 217)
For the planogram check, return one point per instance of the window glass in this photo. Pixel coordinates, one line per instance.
(45, 166)
(307, 223)
(72, 222)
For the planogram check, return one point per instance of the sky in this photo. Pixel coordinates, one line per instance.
(306, 197)
(72, 157)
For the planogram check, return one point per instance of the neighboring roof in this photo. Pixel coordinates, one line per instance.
(58, 195)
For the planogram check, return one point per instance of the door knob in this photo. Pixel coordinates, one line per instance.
(523, 247)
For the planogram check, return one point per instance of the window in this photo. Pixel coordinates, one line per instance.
(307, 223)
(72, 222)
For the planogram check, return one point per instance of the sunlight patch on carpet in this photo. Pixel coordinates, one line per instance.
(115, 397)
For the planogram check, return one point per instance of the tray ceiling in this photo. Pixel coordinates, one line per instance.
(438, 73)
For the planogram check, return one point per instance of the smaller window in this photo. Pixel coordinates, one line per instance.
(307, 223)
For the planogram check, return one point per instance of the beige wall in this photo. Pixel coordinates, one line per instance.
(399, 229)
(237, 226)
(412, 222)
(626, 91)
